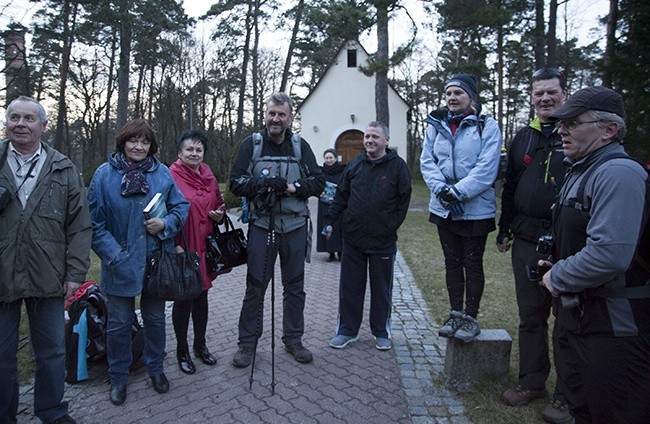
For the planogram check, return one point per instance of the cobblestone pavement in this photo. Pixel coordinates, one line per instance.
(358, 384)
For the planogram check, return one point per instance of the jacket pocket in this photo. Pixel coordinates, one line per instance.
(53, 203)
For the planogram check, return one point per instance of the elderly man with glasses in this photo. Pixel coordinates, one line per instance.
(600, 268)
(534, 172)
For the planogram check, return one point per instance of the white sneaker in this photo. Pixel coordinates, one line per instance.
(340, 341)
(383, 343)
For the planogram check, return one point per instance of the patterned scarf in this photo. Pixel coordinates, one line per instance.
(133, 181)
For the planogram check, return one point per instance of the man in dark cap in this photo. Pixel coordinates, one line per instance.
(604, 307)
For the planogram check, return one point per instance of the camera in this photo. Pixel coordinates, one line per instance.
(5, 198)
(534, 273)
(545, 244)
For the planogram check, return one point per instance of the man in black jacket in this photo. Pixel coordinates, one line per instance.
(535, 171)
(373, 197)
(277, 172)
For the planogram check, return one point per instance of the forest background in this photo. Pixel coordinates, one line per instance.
(97, 64)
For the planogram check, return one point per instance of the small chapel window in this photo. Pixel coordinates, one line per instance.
(352, 58)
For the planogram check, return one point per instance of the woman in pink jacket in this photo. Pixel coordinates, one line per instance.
(201, 188)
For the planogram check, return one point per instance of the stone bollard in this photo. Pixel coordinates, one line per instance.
(486, 356)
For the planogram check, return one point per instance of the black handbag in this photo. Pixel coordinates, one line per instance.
(173, 276)
(225, 249)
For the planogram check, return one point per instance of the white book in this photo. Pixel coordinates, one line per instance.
(156, 208)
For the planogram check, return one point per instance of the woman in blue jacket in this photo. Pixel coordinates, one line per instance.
(123, 238)
(459, 163)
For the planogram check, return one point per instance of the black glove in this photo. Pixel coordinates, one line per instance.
(446, 198)
(276, 184)
(502, 235)
(301, 190)
(457, 208)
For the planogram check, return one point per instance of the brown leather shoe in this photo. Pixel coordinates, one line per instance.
(520, 396)
(557, 412)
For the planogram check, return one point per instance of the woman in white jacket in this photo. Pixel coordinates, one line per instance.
(459, 163)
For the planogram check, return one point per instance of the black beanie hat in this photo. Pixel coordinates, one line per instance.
(467, 82)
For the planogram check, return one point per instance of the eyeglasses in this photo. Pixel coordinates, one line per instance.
(547, 73)
(572, 124)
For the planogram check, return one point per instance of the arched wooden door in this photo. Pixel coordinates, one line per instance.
(349, 144)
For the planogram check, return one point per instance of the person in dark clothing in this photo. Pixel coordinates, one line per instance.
(604, 295)
(534, 174)
(277, 185)
(372, 198)
(332, 170)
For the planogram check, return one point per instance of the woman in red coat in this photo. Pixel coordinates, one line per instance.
(200, 187)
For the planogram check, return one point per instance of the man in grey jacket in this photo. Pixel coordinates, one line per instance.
(45, 236)
(604, 294)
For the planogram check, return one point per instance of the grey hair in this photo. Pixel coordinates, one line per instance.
(605, 118)
(42, 114)
(377, 124)
(279, 98)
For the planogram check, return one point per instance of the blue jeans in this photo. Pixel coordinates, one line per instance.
(46, 328)
(118, 336)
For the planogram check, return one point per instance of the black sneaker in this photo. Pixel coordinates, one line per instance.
(243, 357)
(300, 353)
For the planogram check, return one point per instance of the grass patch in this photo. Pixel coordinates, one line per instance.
(419, 244)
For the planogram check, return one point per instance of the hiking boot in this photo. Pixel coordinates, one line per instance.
(340, 341)
(468, 330)
(243, 357)
(300, 353)
(520, 396)
(453, 323)
(382, 343)
(557, 412)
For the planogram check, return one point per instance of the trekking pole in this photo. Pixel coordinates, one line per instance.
(260, 311)
(272, 233)
(270, 238)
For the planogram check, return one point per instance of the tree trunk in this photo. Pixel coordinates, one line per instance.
(294, 35)
(500, 95)
(239, 126)
(108, 137)
(609, 56)
(68, 18)
(126, 35)
(551, 38)
(381, 76)
(540, 53)
(255, 64)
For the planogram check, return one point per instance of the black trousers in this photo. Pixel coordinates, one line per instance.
(607, 378)
(198, 309)
(463, 269)
(534, 304)
(356, 264)
(262, 251)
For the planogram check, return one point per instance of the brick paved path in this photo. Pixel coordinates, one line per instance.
(358, 384)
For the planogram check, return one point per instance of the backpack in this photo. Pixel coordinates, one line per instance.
(296, 142)
(85, 332)
(639, 271)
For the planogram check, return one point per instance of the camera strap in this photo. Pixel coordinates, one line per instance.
(28, 176)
